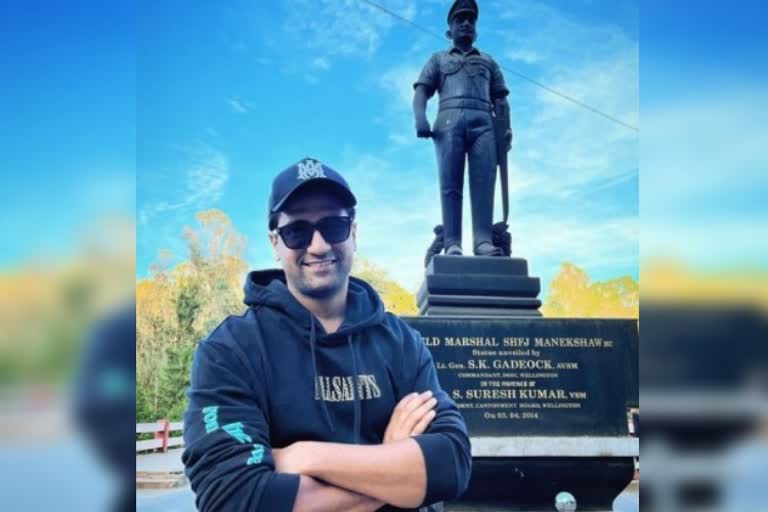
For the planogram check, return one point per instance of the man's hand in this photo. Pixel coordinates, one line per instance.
(289, 459)
(411, 416)
(423, 131)
(508, 139)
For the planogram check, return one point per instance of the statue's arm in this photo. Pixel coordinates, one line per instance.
(499, 93)
(502, 111)
(420, 96)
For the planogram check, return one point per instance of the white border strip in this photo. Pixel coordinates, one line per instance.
(543, 446)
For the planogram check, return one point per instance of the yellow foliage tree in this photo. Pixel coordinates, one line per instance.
(573, 294)
(178, 305)
(216, 266)
(396, 299)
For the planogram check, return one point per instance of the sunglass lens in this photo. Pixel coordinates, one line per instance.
(334, 229)
(297, 235)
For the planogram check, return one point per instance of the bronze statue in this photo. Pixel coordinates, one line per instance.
(472, 123)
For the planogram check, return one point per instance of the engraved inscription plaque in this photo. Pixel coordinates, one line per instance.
(536, 376)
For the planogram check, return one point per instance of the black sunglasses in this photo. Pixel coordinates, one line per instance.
(298, 234)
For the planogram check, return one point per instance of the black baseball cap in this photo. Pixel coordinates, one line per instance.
(306, 173)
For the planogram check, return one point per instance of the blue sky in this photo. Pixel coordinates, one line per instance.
(704, 105)
(68, 124)
(228, 95)
(155, 112)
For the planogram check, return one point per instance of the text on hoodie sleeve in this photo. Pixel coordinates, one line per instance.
(227, 456)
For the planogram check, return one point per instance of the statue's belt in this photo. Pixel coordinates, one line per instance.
(466, 103)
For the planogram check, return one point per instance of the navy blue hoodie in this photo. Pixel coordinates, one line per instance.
(272, 376)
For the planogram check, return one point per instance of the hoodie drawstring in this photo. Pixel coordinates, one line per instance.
(355, 390)
(312, 343)
(355, 379)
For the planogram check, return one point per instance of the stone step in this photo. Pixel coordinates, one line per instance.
(443, 264)
(424, 299)
(456, 311)
(482, 284)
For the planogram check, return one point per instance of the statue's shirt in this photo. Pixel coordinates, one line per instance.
(454, 74)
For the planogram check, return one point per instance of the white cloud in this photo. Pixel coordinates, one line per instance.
(206, 179)
(401, 139)
(527, 56)
(239, 106)
(343, 27)
(531, 28)
(398, 82)
(567, 148)
(321, 63)
(590, 244)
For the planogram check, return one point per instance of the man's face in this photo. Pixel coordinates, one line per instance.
(462, 27)
(321, 269)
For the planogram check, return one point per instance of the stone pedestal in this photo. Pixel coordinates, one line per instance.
(478, 286)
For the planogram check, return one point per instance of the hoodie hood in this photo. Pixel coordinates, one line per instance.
(267, 288)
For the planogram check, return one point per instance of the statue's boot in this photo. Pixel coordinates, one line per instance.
(487, 249)
(454, 250)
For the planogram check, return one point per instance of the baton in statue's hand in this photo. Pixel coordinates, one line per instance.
(503, 140)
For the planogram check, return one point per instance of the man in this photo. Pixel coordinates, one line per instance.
(315, 398)
(470, 84)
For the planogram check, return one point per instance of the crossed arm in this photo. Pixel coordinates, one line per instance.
(360, 478)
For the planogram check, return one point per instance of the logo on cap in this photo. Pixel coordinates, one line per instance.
(310, 169)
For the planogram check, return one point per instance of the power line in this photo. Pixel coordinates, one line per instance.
(516, 73)
(402, 18)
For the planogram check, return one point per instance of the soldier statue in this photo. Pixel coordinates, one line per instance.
(472, 123)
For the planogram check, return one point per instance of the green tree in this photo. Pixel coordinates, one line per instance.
(177, 305)
(174, 381)
(187, 308)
